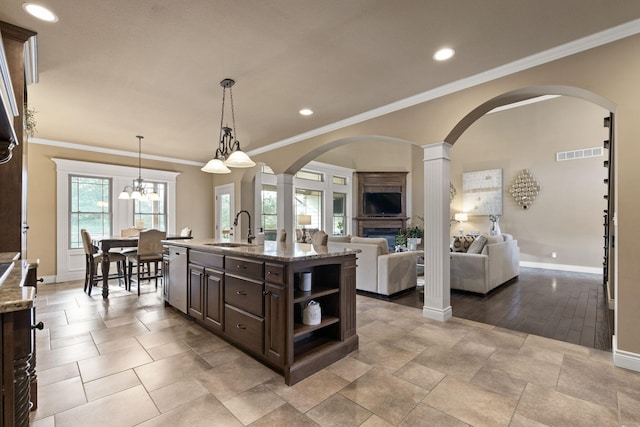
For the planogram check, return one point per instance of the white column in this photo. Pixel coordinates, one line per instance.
(285, 205)
(437, 298)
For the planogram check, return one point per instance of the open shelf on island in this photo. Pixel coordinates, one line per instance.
(316, 292)
(300, 329)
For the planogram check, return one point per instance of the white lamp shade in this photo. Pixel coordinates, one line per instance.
(124, 196)
(136, 195)
(215, 166)
(239, 159)
(154, 197)
(304, 219)
(462, 217)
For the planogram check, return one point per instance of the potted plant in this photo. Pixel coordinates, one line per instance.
(414, 235)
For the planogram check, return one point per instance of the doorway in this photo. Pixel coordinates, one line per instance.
(224, 208)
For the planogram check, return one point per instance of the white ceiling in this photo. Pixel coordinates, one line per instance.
(110, 70)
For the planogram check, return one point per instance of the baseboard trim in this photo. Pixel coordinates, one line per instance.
(437, 314)
(562, 267)
(625, 359)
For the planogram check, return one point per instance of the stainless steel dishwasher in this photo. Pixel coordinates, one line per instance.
(178, 278)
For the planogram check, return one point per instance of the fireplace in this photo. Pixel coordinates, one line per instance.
(388, 233)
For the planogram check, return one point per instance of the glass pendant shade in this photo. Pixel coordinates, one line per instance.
(215, 166)
(239, 159)
(124, 196)
(136, 195)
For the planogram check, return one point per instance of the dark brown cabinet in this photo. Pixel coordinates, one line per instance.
(205, 287)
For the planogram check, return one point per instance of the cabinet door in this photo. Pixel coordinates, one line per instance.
(275, 311)
(213, 298)
(194, 303)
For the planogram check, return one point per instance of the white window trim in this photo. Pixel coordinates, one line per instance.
(70, 262)
(327, 187)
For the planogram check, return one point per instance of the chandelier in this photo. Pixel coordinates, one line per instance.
(228, 153)
(138, 191)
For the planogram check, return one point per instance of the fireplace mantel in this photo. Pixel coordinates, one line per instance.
(381, 182)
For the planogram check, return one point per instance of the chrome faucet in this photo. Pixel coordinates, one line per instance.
(250, 237)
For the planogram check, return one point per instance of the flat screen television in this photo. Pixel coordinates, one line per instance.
(382, 204)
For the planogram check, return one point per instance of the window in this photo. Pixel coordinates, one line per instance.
(311, 176)
(269, 201)
(340, 180)
(309, 202)
(153, 213)
(89, 208)
(339, 213)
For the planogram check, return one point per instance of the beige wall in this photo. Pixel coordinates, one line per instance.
(567, 216)
(194, 198)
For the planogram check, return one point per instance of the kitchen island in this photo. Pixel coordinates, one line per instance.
(250, 295)
(17, 358)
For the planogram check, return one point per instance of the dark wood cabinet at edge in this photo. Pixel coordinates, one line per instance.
(253, 304)
(13, 185)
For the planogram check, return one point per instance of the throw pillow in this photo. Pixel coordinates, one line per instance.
(477, 245)
(462, 243)
(382, 243)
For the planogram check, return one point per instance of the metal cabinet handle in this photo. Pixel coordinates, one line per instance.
(39, 325)
(243, 266)
(40, 280)
(273, 272)
(240, 326)
(241, 293)
(265, 293)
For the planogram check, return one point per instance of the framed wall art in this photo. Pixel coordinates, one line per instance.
(482, 192)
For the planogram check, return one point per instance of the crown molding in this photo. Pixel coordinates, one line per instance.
(74, 146)
(580, 45)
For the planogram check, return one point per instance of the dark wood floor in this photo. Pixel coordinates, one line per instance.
(562, 305)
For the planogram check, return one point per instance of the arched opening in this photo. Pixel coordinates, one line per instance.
(602, 186)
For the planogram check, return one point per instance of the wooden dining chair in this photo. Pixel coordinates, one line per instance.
(93, 260)
(148, 255)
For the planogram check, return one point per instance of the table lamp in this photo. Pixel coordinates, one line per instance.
(461, 217)
(304, 220)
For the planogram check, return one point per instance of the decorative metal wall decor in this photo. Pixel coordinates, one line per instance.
(482, 192)
(525, 189)
(452, 192)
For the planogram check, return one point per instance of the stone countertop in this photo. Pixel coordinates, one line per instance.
(13, 295)
(270, 250)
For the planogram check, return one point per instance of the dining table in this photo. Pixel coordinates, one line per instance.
(107, 243)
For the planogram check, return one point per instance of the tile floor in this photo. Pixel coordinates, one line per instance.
(130, 361)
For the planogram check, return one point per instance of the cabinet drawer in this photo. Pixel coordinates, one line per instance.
(243, 328)
(245, 267)
(274, 273)
(206, 259)
(244, 294)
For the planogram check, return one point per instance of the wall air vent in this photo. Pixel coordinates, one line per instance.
(579, 154)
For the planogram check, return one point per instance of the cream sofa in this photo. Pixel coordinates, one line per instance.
(497, 263)
(379, 271)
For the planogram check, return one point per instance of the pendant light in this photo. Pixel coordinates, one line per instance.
(228, 153)
(138, 191)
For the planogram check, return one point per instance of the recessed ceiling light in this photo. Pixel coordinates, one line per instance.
(305, 112)
(444, 54)
(40, 12)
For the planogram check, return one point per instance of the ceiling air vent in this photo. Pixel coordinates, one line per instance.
(578, 154)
